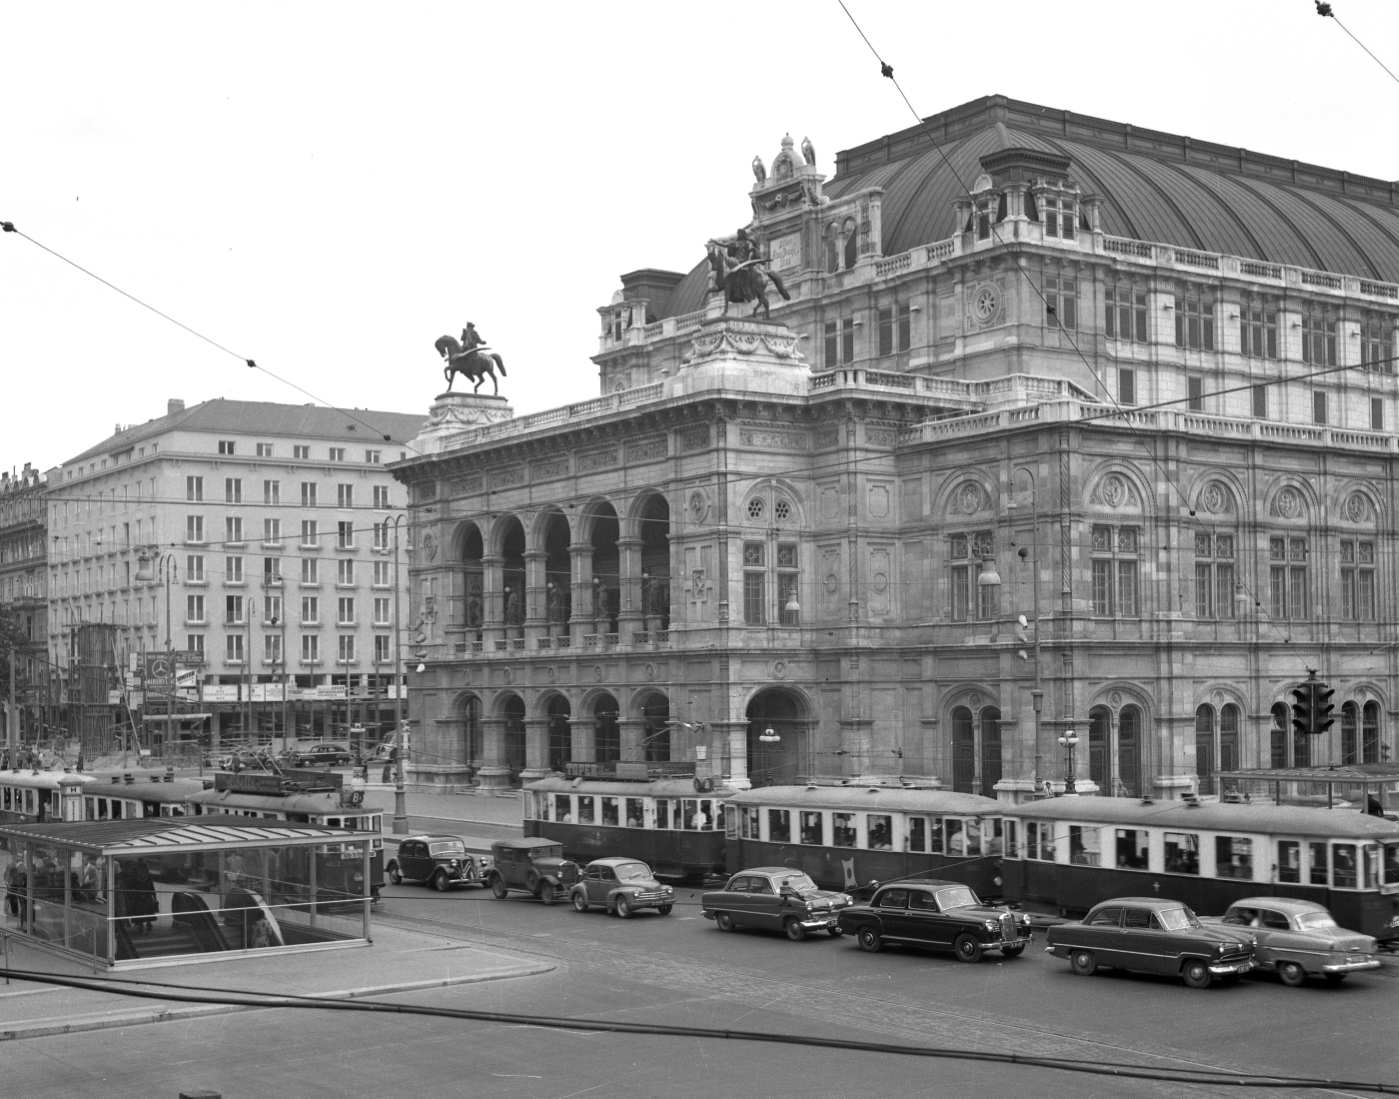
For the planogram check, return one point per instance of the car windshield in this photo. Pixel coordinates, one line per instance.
(796, 880)
(447, 849)
(1177, 919)
(1308, 920)
(633, 871)
(958, 896)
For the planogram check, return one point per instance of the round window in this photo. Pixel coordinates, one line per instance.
(783, 510)
(756, 508)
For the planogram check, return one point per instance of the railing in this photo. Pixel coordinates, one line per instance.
(893, 265)
(1320, 278)
(1126, 247)
(629, 771)
(1379, 290)
(1207, 260)
(1260, 270)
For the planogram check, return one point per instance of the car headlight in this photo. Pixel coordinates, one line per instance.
(990, 925)
(1025, 919)
(667, 889)
(455, 863)
(359, 877)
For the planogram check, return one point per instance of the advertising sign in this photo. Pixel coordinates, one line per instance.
(160, 672)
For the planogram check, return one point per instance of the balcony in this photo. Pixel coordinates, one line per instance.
(624, 771)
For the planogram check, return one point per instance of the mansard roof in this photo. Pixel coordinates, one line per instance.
(1153, 186)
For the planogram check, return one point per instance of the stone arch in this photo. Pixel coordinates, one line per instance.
(967, 749)
(649, 517)
(467, 709)
(468, 599)
(651, 707)
(554, 706)
(956, 500)
(1218, 495)
(788, 711)
(1291, 499)
(605, 711)
(1356, 504)
(604, 591)
(1117, 487)
(1125, 776)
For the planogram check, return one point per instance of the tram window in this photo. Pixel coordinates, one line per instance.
(116, 809)
(813, 829)
(1233, 857)
(1011, 841)
(89, 806)
(1370, 862)
(636, 813)
(993, 837)
(972, 830)
(662, 813)
(1290, 862)
(779, 826)
(881, 831)
(1131, 849)
(1343, 873)
(152, 809)
(1182, 853)
(935, 844)
(1391, 864)
(563, 811)
(706, 815)
(29, 802)
(956, 842)
(609, 811)
(748, 822)
(917, 833)
(690, 814)
(843, 832)
(1318, 875)
(1085, 845)
(585, 809)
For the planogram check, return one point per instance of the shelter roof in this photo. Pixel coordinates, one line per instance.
(138, 837)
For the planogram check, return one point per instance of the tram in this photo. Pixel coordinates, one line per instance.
(120, 796)
(846, 837)
(32, 796)
(1077, 851)
(672, 824)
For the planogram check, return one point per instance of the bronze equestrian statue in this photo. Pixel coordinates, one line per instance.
(741, 274)
(471, 358)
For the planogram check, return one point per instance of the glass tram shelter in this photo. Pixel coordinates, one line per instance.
(1369, 787)
(132, 893)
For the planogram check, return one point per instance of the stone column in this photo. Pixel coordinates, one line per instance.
(536, 749)
(630, 731)
(492, 600)
(583, 748)
(730, 738)
(580, 620)
(536, 621)
(494, 773)
(629, 616)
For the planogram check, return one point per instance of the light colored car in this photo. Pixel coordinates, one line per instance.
(1299, 939)
(621, 886)
(777, 898)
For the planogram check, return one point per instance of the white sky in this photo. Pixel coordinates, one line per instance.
(328, 188)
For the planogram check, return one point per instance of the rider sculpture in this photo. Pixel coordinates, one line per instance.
(471, 358)
(741, 273)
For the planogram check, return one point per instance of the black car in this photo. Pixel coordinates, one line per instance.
(939, 914)
(441, 860)
(322, 755)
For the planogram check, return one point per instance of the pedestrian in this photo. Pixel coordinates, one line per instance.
(142, 901)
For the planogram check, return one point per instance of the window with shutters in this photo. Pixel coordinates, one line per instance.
(1126, 387)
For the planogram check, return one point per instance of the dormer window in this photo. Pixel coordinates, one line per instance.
(1060, 216)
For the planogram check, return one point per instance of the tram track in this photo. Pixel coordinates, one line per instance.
(833, 1003)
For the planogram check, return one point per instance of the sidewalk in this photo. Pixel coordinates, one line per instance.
(397, 961)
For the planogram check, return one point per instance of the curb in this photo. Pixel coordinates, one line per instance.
(48, 1028)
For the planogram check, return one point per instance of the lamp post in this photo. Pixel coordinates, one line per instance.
(1037, 694)
(1070, 741)
(400, 797)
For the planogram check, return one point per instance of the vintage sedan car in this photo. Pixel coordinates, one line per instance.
(440, 860)
(532, 865)
(1151, 935)
(322, 755)
(1300, 939)
(940, 914)
(777, 898)
(621, 886)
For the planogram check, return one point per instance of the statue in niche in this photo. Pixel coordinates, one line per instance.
(474, 616)
(602, 614)
(514, 611)
(554, 607)
(470, 358)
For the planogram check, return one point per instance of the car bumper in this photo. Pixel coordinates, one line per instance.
(1230, 968)
(1001, 944)
(820, 921)
(1352, 967)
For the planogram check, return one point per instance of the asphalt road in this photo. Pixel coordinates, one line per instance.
(680, 970)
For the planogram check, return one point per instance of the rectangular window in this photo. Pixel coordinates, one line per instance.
(1319, 872)
(194, 608)
(754, 584)
(381, 535)
(1233, 857)
(1344, 872)
(194, 568)
(1287, 577)
(194, 642)
(310, 610)
(310, 570)
(1196, 390)
(1214, 575)
(1061, 302)
(272, 493)
(233, 648)
(310, 649)
(194, 489)
(233, 570)
(1132, 849)
(1194, 319)
(1115, 571)
(1376, 413)
(346, 653)
(271, 571)
(381, 648)
(233, 609)
(233, 490)
(301, 452)
(1357, 581)
(779, 826)
(1260, 402)
(1258, 331)
(1290, 862)
(1124, 315)
(1085, 845)
(194, 528)
(345, 535)
(374, 457)
(271, 648)
(839, 342)
(308, 494)
(272, 609)
(381, 497)
(233, 529)
(381, 612)
(1377, 344)
(337, 454)
(1318, 340)
(894, 329)
(345, 572)
(1318, 406)
(264, 450)
(309, 534)
(1126, 387)
(813, 831)
(917, 833)
(272, 532)
(225, 446)
(344, 496)
(1182, 853)
(879, 832)
(347, 610)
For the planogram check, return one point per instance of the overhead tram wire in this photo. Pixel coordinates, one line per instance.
(1326, 11)
(9, 227)
(152, 990)
(886, 70)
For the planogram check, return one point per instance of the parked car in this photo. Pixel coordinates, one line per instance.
(939, 914)
(439, 859)
(621, 886)
(247, 759)
(322, 755)
(777, 898)
(531, 865)
(1151, 935)
(1299, 939)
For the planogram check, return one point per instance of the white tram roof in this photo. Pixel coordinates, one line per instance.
(42, 780)
(320, 804)
(873, 799)
(1215, 816)
(656, 788)
(158, 790)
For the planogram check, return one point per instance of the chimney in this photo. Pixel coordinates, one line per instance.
(174, 405)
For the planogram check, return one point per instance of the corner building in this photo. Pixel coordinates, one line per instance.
(1135, 387)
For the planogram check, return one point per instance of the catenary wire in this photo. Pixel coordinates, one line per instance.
(1327, 11)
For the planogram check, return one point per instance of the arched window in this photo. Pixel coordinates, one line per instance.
(1099, 753)
(560, 734)
(607, 736)
(963, 751)
(1277, 736)
(852, 242)
(990, 750)
(1229, 738)
(1129, 750)
(832, 250)
(1301, 749)
(515, 735)
(1204, 748)
(472, 732)
(1349, 729)
(1370, 734)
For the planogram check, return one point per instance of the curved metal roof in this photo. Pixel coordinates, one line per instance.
(1232, 817)
(873, 799)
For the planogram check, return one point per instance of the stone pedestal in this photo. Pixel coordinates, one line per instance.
(453, 413)
(742, 356)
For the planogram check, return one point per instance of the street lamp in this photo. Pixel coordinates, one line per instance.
(1070, 741)
(400, 797)
(769, 736)
(1037, 694)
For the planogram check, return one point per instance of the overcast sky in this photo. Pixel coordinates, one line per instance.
(328, 188)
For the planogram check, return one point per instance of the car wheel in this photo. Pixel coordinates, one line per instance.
(548, 893)
(1291, 974)
(1083, 963)
(622, 909)
(967, 949)
(835, 932)
(394, 875)
(1196, 974)
(867, 938)
(1012, 951)
(440, 881)
(792, 928)
(724, 921)
(664, 909)
(498, 887)
(580, 902)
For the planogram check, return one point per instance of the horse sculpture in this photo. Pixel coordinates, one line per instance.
(744, 281)
(470, 362)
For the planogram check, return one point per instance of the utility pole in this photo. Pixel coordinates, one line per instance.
(11, 732)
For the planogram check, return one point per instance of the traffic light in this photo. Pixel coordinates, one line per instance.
(1322, 708)
(1302, 709)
